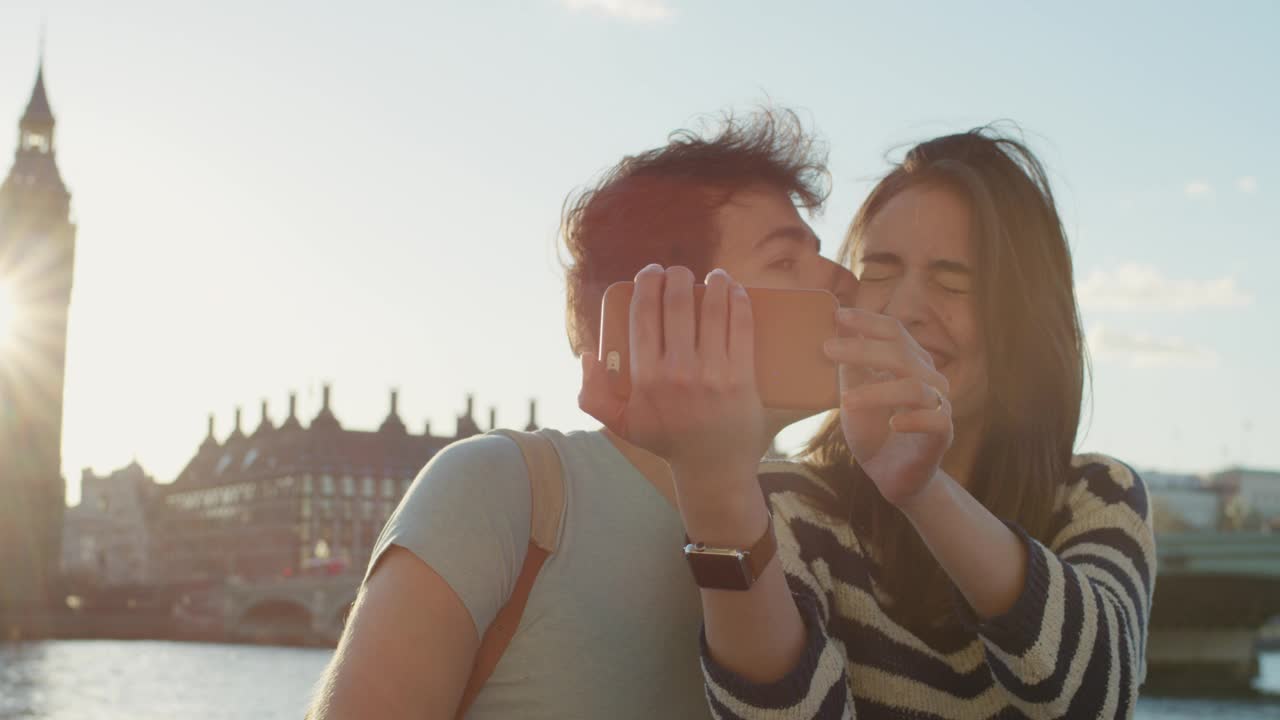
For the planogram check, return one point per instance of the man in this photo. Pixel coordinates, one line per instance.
(611, 626)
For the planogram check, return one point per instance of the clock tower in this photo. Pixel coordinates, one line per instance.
(37, 253)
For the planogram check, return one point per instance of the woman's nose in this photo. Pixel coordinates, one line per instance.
(907, 303)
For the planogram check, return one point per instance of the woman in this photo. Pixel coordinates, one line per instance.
(942, 553)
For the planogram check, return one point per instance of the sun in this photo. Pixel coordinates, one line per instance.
(8, 317)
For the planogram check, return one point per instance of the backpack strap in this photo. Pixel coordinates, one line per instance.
(546, 506)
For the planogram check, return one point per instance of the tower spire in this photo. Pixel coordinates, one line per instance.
(393, 423)
(533, 416)
(466, 423)
(325, 418)
(34, 160)
(209, 440)
(236, 434)
(38, 116)
(291, 422)
(265, 425)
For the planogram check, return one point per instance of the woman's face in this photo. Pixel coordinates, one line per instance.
(916, 264)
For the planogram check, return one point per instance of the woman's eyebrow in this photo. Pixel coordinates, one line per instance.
(888, 258)
(882, 258)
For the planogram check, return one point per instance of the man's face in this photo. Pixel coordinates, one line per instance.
(763, 242)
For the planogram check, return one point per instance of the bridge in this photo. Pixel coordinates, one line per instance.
(308, 610)
(1214, 593)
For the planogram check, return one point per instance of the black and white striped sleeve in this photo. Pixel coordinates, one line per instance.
(818, 685)
(1074, 643)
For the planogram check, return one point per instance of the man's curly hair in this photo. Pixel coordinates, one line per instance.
(659, 206)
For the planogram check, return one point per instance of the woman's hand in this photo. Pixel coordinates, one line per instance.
(894, 410)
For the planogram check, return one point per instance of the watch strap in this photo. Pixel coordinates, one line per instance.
(757, 558)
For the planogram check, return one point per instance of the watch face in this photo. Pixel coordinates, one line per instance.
(720, 569)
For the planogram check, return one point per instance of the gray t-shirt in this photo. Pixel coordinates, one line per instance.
(611, 626)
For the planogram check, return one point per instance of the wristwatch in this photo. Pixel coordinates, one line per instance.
(717, 568)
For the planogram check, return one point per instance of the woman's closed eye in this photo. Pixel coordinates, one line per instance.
(875, 276)
(954, 284)
(877, 271)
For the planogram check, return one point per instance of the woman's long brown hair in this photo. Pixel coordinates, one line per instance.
(1036, 362)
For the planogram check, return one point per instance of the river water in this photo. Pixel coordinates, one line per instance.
(155, 680)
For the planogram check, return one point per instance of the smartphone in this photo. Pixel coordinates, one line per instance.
(792, 371)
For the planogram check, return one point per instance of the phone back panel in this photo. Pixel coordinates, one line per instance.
(792, 371)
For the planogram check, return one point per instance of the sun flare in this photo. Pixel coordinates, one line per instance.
(8, 317)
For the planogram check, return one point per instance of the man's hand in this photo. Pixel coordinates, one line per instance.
(693, 390)
(597, 398)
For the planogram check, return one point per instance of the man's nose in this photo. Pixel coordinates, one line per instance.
(840, 282)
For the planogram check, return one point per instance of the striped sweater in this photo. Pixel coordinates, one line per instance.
(1073, 644)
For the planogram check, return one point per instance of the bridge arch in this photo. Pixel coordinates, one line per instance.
(275, 620)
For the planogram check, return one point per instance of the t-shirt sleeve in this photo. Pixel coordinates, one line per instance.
(466, 516)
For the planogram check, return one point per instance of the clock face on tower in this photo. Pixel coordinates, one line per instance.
(35, 141)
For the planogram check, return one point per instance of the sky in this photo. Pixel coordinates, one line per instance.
(273, 196)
